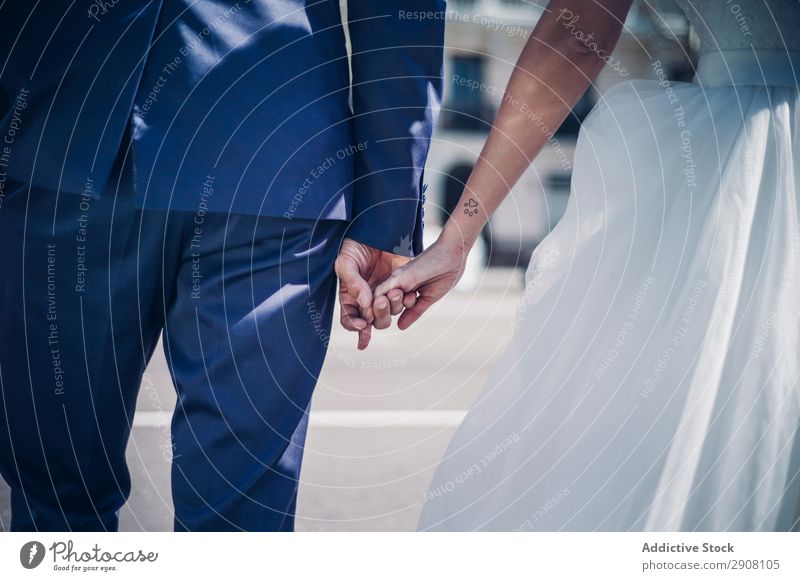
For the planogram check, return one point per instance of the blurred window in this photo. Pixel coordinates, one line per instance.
(572, 124)
(467, 106)
(467, 72)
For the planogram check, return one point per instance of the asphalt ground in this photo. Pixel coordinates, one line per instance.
(380, 419)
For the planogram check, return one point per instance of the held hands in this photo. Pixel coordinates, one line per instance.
(375, 285)
(429, 277)
(360, 268)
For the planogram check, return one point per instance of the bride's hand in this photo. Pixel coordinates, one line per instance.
(432, 274)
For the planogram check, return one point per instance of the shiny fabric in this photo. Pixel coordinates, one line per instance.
(254, 93)
(245, 305)
(653, 380)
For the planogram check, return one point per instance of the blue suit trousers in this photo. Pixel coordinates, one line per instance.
(87, 287)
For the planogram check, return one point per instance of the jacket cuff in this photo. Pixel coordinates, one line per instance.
(393, 225)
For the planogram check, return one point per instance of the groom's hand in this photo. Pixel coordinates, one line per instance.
(360, 269)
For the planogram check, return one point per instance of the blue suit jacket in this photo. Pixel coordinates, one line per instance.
(233, 106)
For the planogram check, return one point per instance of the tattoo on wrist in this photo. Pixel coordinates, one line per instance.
(471, 207)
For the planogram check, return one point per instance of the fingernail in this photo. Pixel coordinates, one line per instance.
(360, 324)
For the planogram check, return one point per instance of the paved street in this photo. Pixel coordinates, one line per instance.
(380, 420)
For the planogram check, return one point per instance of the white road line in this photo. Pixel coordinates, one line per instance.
(344, 419)
(387, 418)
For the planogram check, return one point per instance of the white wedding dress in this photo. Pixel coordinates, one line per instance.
(653, 379)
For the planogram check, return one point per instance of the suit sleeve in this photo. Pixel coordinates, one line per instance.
(396, 87)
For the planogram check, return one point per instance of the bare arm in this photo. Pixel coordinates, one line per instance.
(557, 65)
(561, 59)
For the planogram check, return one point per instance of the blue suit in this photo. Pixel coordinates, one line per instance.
(191, 167)
(253, 92)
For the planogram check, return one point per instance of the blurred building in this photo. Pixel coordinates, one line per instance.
(483, 40)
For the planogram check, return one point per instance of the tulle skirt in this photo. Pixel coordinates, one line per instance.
(652, 379)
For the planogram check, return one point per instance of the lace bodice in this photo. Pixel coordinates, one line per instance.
(742, 24)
